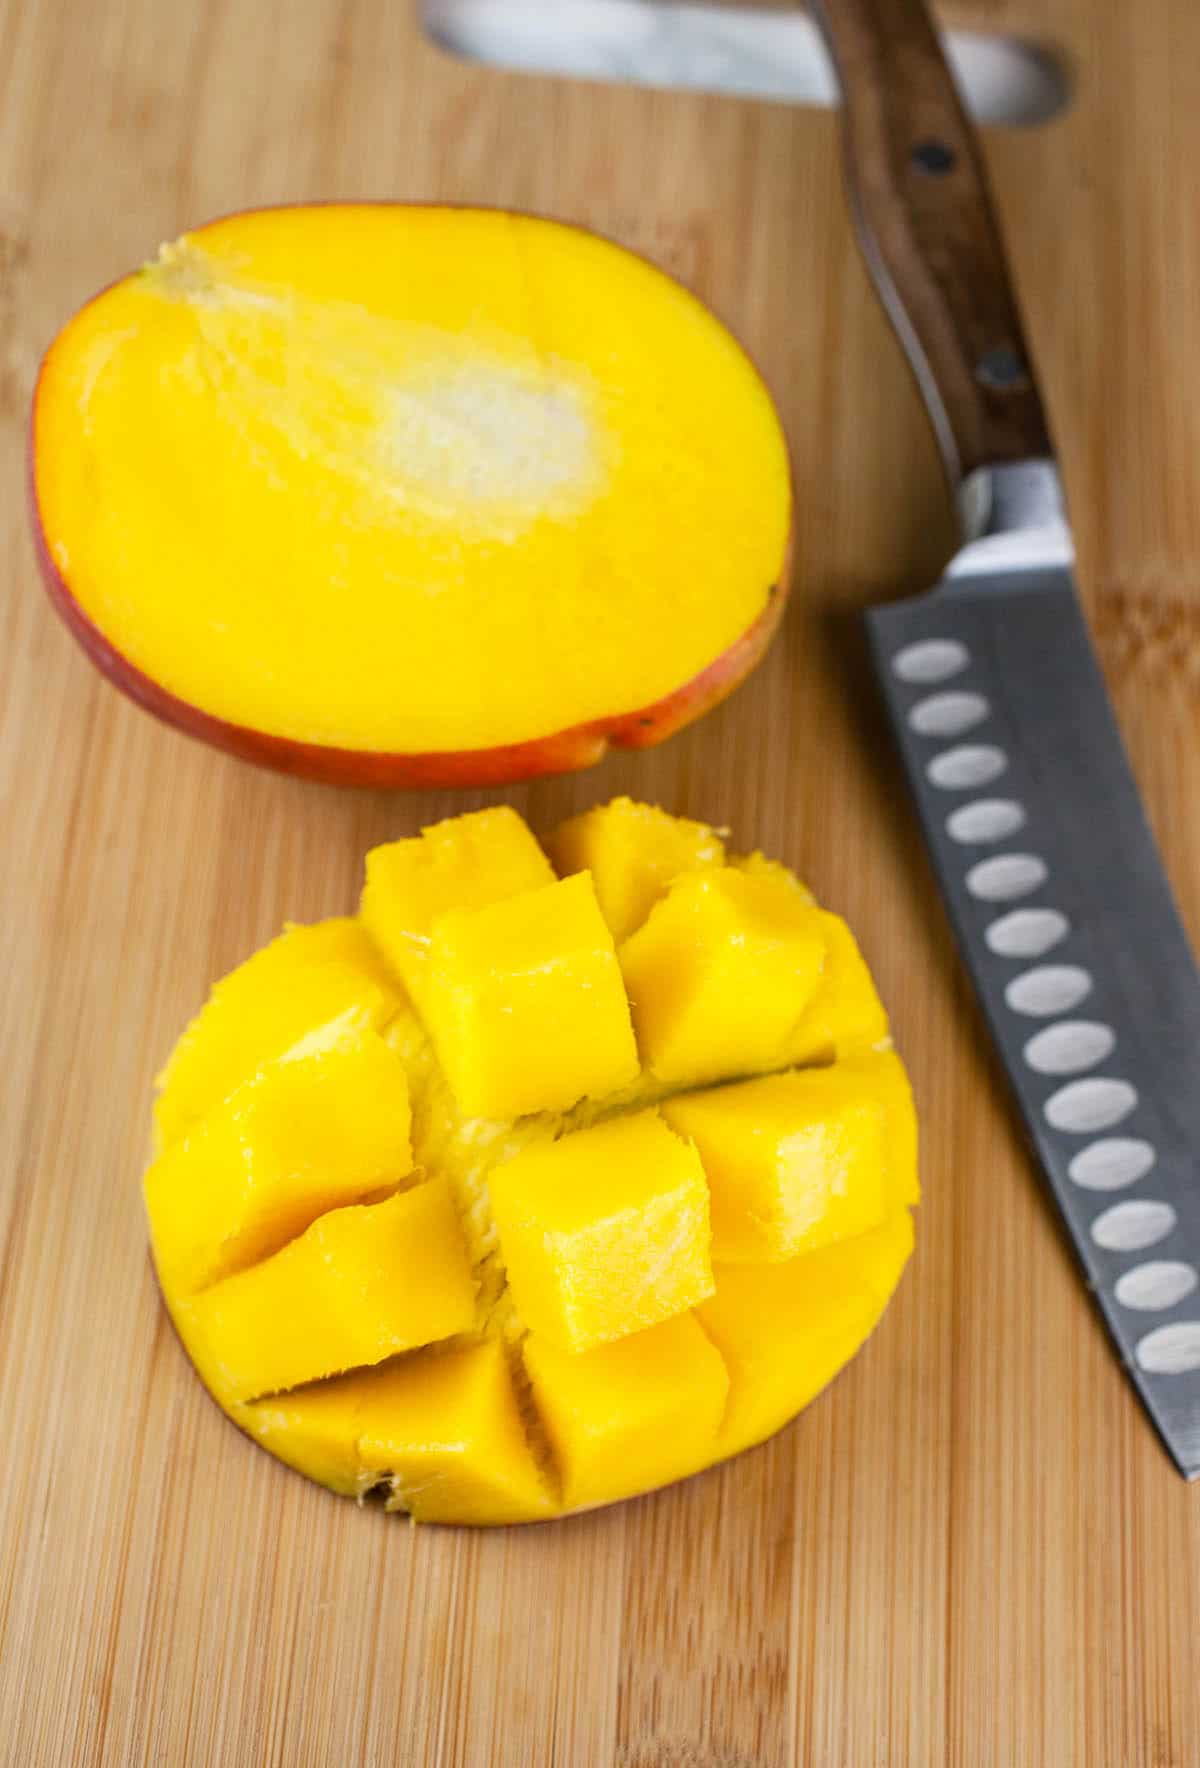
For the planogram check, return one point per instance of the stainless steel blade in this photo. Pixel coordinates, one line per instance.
(1065, 919)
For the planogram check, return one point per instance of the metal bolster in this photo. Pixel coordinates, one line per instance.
(1013, 518)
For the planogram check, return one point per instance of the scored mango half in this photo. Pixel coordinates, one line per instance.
(558, 1173)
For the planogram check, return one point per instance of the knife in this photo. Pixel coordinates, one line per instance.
(1029, 807)
(748, 51)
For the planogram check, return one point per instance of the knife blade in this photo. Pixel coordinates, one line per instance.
(744, 51)
(1029, 807)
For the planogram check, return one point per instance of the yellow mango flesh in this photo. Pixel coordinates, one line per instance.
(794, 1161)
(359, 1285)
(495, 1319)
(409, 479)
(446, 1432)
(757, 865)
(844, 1015)
(630, 1415)
(306, 977)
(890, 1075)
(465, 863)
(318, 1128)
(720, 973)
(313, 1429)
(633, 851)
(525, 1002)
(821, 1308)
(604, 1232)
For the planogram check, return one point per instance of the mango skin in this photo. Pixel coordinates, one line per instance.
(502, 1417)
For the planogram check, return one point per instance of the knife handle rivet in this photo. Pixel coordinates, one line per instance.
(933, 157)
(1003, 369)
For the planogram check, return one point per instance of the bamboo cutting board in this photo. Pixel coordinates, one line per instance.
(972, 1550)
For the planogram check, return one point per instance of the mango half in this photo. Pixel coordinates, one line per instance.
(520, 1192)
(393, 494)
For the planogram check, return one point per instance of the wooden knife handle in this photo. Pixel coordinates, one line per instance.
(928, 231)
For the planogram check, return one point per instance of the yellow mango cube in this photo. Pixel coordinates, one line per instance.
(632, 1415)
(359, 1285)
(821, 1308)
(315, 1429)
(719, 975)
(465, 862)
(633, 852)
(445, 1429)
(604, 1232)
(757, 865)
(526, 1005)
(845, 1015)
(306, 977)
(325, 1125)
(794, 1161)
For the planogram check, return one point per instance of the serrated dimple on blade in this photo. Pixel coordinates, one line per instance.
(1068, 927)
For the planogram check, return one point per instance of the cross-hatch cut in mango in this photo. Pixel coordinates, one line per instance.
(523, 1192)
(404, 494)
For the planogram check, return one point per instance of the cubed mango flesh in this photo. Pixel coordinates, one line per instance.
(306, 977)
(902, 1177)
(844, 1015)
(361, 1284)
(465, 862)
(633, 851)
(526, 1005)
(328, 1124)
(442, 1432)
(446, 1432)
(315, 1429)
(632, 1415)
(794, 1161)
(821, 1308)
(453, 1246)
(604, 1232)
(757, 865)
(719, 975)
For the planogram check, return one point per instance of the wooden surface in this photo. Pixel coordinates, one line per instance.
(972, 1550)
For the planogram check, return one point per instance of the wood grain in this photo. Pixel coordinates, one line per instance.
(971, 1551)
